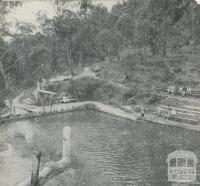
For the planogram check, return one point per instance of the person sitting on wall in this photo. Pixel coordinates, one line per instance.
(168, 112)
(142, 113)
(184, 91)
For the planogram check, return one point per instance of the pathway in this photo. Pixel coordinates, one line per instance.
(89, 73)
(19, 107)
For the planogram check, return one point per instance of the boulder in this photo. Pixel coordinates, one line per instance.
(96, 68)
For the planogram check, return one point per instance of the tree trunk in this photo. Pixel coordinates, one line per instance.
(81, 58)
(164, 52)
(2, 73)
(70, 61)
(54, 63)
(35, 169)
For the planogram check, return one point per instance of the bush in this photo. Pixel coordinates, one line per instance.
(178, 70)
(137, 108)
(127, 95)
(2, 104)
(93, 89)
(90, 106)
(131, 101)
(54, 87)
(154, 98)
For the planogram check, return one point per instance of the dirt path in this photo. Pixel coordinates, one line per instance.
(86, 73)
(19, 107)
(89, 73)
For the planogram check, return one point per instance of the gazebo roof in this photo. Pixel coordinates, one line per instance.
(182, 154)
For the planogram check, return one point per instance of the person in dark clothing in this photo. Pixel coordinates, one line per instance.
(142, 113)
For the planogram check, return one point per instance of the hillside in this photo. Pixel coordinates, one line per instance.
(152, 28)
(145, 85)
(183, 65)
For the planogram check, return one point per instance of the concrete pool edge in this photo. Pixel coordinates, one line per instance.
(39, 111)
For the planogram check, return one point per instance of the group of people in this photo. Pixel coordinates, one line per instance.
(183, 91)
(170, 112)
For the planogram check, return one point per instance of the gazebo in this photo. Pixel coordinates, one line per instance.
(182, 167)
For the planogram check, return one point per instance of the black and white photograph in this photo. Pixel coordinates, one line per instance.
(99, 92)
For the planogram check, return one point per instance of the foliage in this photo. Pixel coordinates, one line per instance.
(196, 25)
(125, 26)
(129, 63)
(93, 34)
(2, 104)
(5, 8)
(108, 42)
(92, 89)
(154, 99)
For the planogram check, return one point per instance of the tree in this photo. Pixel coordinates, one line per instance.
(38, 65)
(86, 30)
(48, 30)
(66, 27)
(108, 42)
(97, 16)
(112, 17)
(162, 17)
(5, 8)
(130, 60)
(85, 4)
(84, 41)
(196, 25)
(125, 25)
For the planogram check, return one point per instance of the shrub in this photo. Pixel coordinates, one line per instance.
(137, 108)
(131, 101)
(54, 87)
(93, 89)
(2, 104)
(127, 95)
(90, 106)
(178, 70)
(154, 98)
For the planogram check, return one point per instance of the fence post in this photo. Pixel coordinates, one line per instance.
(66, 143)
(35, 168)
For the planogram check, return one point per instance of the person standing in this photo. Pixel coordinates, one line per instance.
(168, 112)
(51, 101)
(142, 113)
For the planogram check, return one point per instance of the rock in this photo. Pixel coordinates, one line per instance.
(96, 68)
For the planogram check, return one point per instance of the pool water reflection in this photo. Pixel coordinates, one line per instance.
(128, 152)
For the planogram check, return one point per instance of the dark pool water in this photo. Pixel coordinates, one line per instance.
(128, 152)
